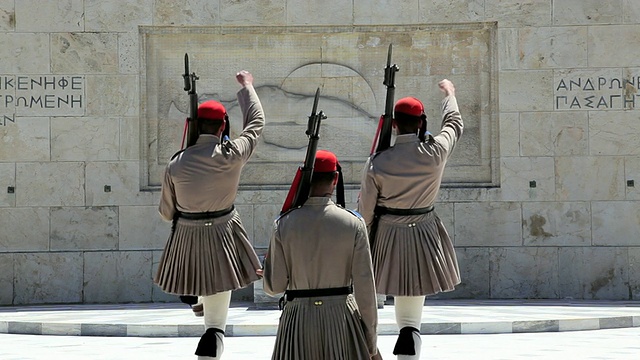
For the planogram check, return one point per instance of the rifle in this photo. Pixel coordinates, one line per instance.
(382, 140)
(299, 191)
(191, 126)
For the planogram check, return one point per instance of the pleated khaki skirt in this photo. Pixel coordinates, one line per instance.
(205, 257)
(321, 328)
(414, 256)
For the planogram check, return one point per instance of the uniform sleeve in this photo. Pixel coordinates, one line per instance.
(368, 193)
(167, 207)
(253, 121)
(275, 277)
(364, 287)
(452, 125)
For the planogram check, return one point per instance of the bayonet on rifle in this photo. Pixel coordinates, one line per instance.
(190, 88)
(301, 186)
(382, 140)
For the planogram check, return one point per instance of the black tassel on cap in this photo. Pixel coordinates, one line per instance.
(405, 344)
(208, 345)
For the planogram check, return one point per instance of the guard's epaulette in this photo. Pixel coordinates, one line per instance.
(287, 212)
(355, 213)
(177, 153)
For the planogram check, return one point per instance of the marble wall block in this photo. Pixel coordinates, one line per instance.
(584, 12)
(554, 134)
(330, 12)
(6, 279)
(632, 173)
(142, 228)
(157, 295)
(508, 43)
(129, 138)
(47, 278)
(618, 138)
(50, 184)
(488, 224)
(509, 134)
(28, 139)
(7, 15)
(630, 11)
(84, 53)
(112, 95)
(116, 277)
(521, 273)
(84, 228)
(264, 216)
(116, 15)
(50, 16)
(552, 47)
(446, 11)
(264, 196)
(634, 273)
(475, 275)
(7, 180)
(526, 90)
(377, 12)
(122, 182)
(29, 53)
(24, 229)
(258, 12)
(590, 178)
(517, 13)
(594, 273)
(616, 223)
(129, 53)
(189, 12)
(556, 224)
(527, 179)
(84, 139)
(627, 50)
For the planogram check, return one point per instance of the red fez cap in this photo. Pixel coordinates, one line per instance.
(211, 110)
(326, 161)
(410, 106)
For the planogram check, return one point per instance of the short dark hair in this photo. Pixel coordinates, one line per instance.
(322, 178)
(407, 124)
(207, 126)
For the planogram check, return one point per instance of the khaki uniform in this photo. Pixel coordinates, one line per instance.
(319, 246)
(412, 255)
(212, 256)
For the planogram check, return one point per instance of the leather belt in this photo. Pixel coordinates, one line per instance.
(206, 215)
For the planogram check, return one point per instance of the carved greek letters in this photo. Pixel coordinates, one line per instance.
(40, 95)
(596, 92)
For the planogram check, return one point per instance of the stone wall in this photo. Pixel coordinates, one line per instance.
(560, 217)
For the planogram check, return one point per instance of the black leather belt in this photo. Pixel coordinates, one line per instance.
(206, 215)
(381, 210)
(307, 293)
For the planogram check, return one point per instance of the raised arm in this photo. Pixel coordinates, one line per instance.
(452, 125)
(252, 114)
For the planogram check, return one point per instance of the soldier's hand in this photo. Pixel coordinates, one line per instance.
(244, 78)
(447, 87)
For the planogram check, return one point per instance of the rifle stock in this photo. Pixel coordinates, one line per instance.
(190, 88)
(301, 186)
(382, 139)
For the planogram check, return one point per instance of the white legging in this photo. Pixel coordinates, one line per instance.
(409, 313)
(216, 309)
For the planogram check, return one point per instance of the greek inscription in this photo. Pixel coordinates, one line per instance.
(40, 95)
(596, 93)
